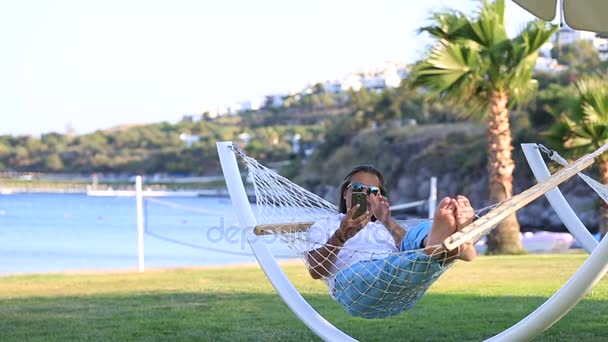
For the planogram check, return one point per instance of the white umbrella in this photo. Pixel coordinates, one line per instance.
(587, 15)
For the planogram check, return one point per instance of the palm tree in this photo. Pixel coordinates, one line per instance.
(585, 129)
(474, 61)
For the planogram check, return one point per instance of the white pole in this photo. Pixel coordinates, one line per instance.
(433, 197)
(140, 223)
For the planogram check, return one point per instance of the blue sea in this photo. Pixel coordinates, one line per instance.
(57, 232)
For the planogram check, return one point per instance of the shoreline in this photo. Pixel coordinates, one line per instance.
(131, 270)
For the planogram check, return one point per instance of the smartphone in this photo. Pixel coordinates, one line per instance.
(361, 199)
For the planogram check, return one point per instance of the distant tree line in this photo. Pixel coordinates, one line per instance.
(321, 122)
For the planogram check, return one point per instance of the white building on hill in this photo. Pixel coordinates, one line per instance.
(567, 36)
(388, 75)
(188, 139)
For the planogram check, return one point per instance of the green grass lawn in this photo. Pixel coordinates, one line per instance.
(471, 302)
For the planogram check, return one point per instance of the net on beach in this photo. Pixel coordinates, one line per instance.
(205, 226)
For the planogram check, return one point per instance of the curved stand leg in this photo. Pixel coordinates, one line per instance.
(557, 200)
(588, 275)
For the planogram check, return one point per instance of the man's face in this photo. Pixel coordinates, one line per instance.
(362, 181)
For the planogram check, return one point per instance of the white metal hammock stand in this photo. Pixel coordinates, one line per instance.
(542, 318)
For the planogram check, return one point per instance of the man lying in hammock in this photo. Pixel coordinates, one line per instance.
(373, 266)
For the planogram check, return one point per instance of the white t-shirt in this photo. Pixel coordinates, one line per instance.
(374, 241)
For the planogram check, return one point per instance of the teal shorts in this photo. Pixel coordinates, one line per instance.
(378, 288)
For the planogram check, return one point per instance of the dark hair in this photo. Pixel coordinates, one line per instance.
(348, 178)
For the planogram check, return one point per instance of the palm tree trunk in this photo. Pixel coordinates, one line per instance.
(504, 239)
(603, 205)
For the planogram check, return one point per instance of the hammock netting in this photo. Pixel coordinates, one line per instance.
(369, 284)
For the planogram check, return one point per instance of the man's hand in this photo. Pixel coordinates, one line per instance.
(380, 208)
(350, 226)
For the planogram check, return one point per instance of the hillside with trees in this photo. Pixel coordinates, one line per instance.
(314, 137)
(320, 129)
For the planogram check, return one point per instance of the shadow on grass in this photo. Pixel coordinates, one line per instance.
(264, 317)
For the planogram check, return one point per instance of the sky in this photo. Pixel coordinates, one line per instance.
(97, 64)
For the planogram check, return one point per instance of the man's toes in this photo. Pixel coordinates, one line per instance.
(463, 201)
(444, 203)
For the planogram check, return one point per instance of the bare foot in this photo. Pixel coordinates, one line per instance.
(464, 214)
(444, 225)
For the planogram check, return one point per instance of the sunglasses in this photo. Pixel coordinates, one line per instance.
(358, 187)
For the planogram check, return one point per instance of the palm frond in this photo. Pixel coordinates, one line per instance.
(447, 24)
(585, 128)
(533, 36)
(450, 72)
(473, 57)
(577, 142)
(489, 27)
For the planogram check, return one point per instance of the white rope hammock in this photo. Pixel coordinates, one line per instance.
(370, 284)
